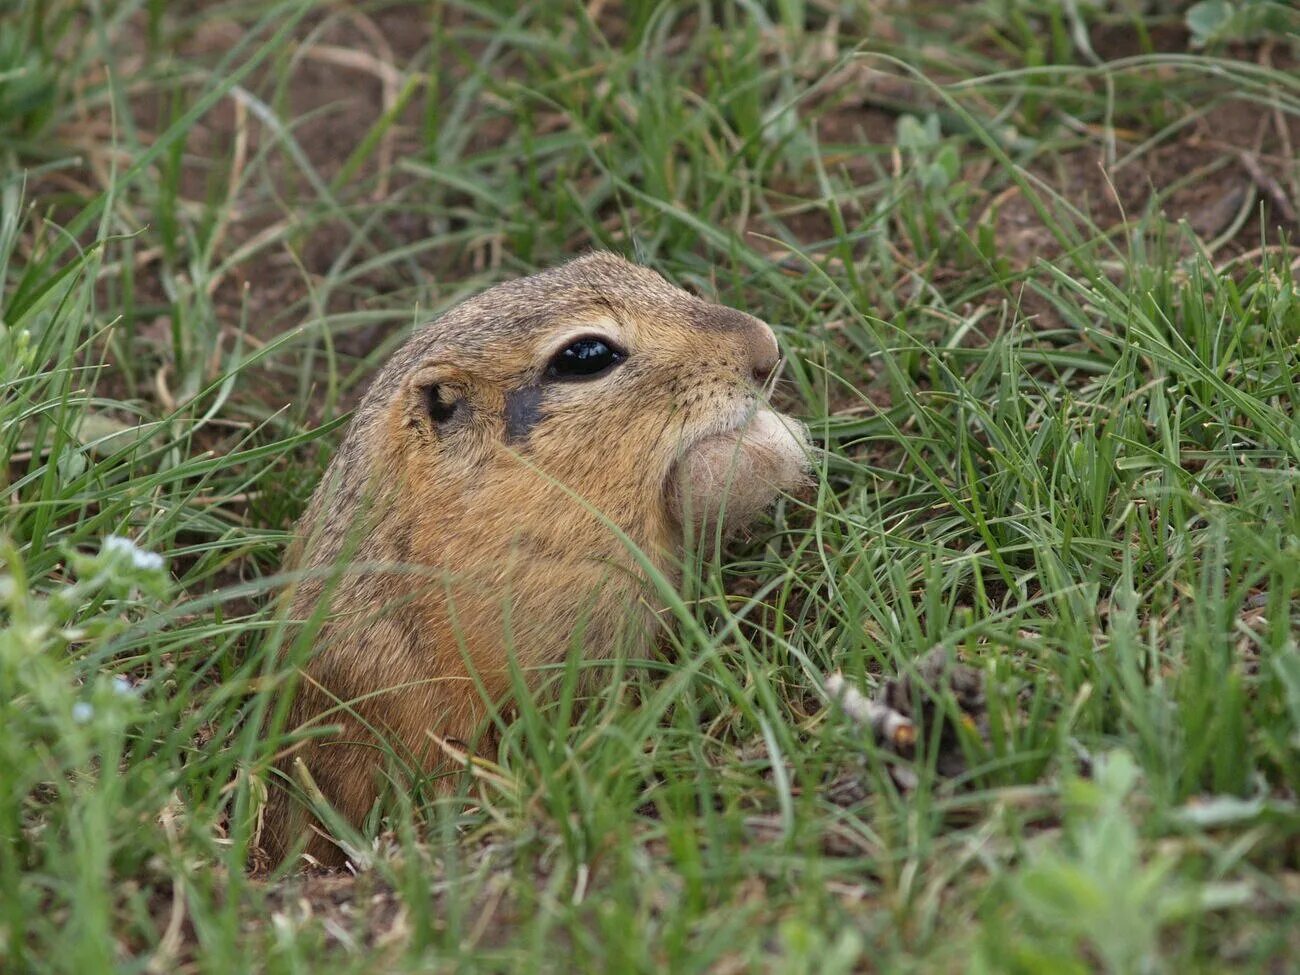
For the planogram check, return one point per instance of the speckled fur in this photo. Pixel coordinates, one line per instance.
(480, 499)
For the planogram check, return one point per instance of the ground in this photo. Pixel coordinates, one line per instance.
(1031, 265)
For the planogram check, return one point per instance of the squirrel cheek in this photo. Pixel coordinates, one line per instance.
(737, 475)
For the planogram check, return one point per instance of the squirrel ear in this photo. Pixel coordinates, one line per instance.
(434, 395)
(440, 402)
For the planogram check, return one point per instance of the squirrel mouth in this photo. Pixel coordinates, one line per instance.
(732, 475)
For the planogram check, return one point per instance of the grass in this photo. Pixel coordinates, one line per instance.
(1031, 266)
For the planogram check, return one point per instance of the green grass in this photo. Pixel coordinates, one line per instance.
(1060, 439)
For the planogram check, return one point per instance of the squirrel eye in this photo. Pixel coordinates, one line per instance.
(584, 358)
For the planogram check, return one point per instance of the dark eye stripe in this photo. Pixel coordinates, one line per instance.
(584, 358)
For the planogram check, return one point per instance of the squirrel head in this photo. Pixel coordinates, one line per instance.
(600, 377)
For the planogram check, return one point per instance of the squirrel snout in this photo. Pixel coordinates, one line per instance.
(763, 353)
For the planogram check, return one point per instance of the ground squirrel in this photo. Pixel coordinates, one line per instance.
(494, 451)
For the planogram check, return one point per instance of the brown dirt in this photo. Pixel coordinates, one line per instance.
(1237, 153)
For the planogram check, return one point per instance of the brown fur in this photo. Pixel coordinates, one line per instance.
(487, 500)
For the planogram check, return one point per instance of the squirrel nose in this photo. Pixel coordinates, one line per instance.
(764, 354)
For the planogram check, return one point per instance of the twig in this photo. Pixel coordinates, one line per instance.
(1269, 185)
(884, 721)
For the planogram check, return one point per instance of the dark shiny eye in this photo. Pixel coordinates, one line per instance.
(584, 358)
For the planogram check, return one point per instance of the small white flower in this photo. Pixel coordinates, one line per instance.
(123, 686)
(151, 561)
(82, 712)
(141, 559)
